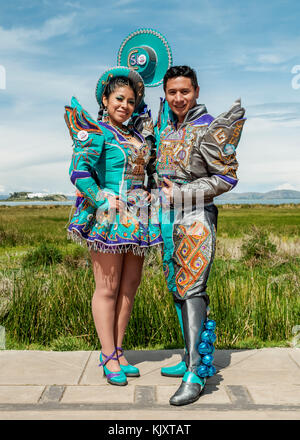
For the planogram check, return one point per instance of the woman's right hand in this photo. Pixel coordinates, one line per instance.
(115, 202)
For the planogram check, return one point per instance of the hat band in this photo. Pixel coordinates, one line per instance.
(143, 60)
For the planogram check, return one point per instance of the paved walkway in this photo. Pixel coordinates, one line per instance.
(249, 384)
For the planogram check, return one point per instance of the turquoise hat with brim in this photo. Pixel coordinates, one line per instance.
(134, 76)
(147, 52)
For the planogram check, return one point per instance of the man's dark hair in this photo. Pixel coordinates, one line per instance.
(175, 71)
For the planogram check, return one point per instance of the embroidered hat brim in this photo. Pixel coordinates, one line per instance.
(134, 76)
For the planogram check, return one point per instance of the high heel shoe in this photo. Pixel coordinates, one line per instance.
(113, 377)
(129, 370)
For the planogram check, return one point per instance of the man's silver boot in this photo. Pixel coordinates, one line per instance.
(193, 319)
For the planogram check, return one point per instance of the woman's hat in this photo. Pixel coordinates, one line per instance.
(134, 76)
(147, 52)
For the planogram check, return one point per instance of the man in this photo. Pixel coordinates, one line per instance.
(195, 157)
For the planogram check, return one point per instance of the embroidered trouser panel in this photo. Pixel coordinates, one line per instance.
(188, 252)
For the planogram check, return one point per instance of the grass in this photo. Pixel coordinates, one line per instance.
(280, 220)
(47, 283)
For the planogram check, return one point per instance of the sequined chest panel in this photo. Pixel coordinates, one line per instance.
(136, 157)
(174, 150)
(137, 160)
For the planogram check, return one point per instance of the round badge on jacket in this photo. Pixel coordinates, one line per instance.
(148, 53)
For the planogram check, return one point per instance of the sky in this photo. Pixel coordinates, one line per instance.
(53, 50)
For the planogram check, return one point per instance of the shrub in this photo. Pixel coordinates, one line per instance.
(8, 238)
(43, 255)
(257, 245)
(77, 257)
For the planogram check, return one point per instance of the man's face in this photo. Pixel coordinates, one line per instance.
(181, 96)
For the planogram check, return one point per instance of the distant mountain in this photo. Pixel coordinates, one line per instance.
(63, 198)
(270, 195)
(25, 196)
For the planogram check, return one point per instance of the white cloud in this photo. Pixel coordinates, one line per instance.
(286, 186)
(37, 94)
(265, 68)
(268, 154)
(270, 58)
(208, 16)
(29, 39)
(74, 5)
(277, 57)
(123, 3)
(53, 27)
(282, 113)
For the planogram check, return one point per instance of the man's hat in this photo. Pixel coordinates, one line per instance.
(147, 52)
(134, 76)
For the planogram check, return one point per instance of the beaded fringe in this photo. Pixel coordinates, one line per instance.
(100, 247)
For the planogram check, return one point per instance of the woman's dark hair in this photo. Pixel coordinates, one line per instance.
(175, 71)
(114, 83)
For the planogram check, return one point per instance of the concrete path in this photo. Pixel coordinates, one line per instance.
(249, 384)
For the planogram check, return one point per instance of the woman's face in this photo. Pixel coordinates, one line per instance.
(120, 105)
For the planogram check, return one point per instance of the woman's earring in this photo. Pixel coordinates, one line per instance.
(105, 117)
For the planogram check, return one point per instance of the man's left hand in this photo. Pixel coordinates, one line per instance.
(168, 189)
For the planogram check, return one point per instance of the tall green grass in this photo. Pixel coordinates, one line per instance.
(247, 304)
(30, 225)
(253, 304)
(47, 285)
(281, 220)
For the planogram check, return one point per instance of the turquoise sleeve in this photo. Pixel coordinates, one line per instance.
(88, 140)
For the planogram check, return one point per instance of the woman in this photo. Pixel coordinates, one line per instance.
(108, 168)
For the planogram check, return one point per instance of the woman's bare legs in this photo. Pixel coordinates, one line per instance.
(107, 272)
(129, 283)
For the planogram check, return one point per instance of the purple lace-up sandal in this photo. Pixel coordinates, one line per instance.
(114, 378)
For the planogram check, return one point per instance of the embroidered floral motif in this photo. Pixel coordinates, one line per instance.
(175, 148)
(138, 158)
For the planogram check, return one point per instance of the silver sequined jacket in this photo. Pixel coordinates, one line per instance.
(200, 154)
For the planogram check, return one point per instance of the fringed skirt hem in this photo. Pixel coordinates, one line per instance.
(98, 246)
